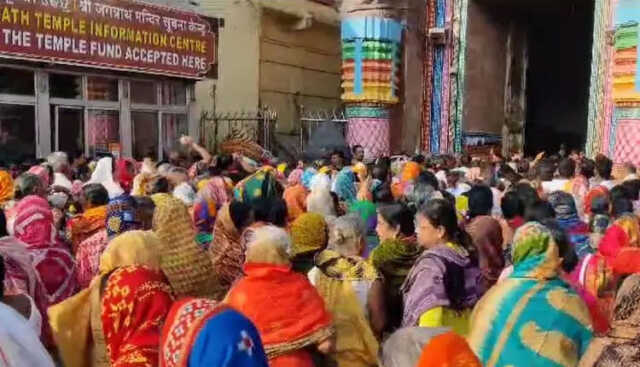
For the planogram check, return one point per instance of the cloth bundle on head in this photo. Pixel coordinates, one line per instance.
(260, 185)
(76, 322)
(103, 174)
(186, 265)
(201, 332)
(308, 234)
(185, 193)
(6, 187)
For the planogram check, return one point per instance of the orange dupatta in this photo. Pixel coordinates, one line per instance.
(84, 226)
(284, 306)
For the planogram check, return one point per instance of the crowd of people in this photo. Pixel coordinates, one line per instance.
(206, 260)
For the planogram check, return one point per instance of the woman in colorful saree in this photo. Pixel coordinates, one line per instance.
(567, 216)
(395, 256)
(443, 284)
(599, 273)
(94, 202)
(202, 333)
(54, 265)
(85, 324)
(353, 293)
(345, 186)
(210, 198)
(620, 346)
(533, 315)
(185, 264)
(263, 184)
(227, 252)
(19, 343)
(6, 188)
(287, 310)
(295, 195)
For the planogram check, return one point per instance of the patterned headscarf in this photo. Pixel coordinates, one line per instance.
(34, 222)
(186, 265)
(564, 205)
(535, 253)
(486, 234)
(595, 192)
(121, 215)
(6, 187)
(202, 332)
(308, 234)
(260, 185)
(135, 305)
(210, 198)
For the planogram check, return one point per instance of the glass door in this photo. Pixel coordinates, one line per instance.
(67, 129)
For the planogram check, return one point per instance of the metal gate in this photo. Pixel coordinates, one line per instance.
(258, 126)
(311, 120)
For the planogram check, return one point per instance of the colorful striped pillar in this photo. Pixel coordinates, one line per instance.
(370, 65)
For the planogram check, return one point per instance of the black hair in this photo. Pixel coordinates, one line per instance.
(278, 213)
(419, 158)
(480, 200)
(539, 211)
(621, 206)
(440, 213)
(399, 215)
(240, 214)
(600, 205)
(546, 169)
(355, 147)
(337, 152)
(224, 162)
(511, 205)
(382, 194)
(3, 224)
(603, 166)
(380, 172)
(158, 185)
(587, 168)
(449, 197)
(633, 188)
(567, 252)
(522, 167)
(465, 160)
(567, 168)
(620, 191)
(95, 194)
(527, 194)
(428, 178)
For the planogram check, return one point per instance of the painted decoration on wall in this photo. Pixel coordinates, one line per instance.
(625, 68)
(370, 65)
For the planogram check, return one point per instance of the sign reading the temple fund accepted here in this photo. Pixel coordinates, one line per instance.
(113, 34)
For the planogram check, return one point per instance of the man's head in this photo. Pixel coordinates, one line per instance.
(587, 168)
(604, 166)
(358, 153)
(59, 161)
(511, 205)
(546, 169)
(94, 195)
(480, 200)
(337, 159)
(567, 168)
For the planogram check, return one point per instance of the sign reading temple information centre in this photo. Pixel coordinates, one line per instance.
(113, 34)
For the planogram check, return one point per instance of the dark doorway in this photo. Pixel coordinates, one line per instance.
(560, 42)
